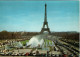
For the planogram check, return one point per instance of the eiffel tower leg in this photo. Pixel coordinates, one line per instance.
(47, 25)
(49, 31)
(41, 31)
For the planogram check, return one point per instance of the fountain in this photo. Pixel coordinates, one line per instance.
(17, 44)
(36, 41)
(40, 41)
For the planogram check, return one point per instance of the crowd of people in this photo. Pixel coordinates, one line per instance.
(73, 53)
(37, 53)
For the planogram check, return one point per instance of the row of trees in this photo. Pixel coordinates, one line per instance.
(16, 35)
(9, 35)
(68, 35)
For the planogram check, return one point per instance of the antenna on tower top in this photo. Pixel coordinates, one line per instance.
(45, 2)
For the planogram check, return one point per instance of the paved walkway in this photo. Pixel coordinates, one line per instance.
(19, 56)
(40, 51)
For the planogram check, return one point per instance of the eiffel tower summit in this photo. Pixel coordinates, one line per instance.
(45, 24)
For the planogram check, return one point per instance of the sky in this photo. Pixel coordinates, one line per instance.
(29, 15)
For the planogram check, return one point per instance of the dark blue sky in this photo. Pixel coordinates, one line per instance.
(29, 15)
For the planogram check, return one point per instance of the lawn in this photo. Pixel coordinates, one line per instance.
(45, 41)
(24, 42)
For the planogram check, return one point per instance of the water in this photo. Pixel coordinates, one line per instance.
(40, 40)
(17, 44)
(36, 41)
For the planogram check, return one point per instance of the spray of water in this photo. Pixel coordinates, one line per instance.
(39, 40)
(36, 40)
(17, 44)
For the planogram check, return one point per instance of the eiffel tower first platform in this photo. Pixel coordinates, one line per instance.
(45, 24)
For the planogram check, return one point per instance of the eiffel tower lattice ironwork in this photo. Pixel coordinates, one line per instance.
(45, 23)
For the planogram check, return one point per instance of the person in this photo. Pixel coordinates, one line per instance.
(47, 53)
(37, 53)
(64, 55)
(53, 55)
(60, 55)
(54, 48)
(30, 54)
(10, 53)
(26, 54)
(69, 55)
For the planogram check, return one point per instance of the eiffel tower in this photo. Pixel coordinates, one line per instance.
(45, 23)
